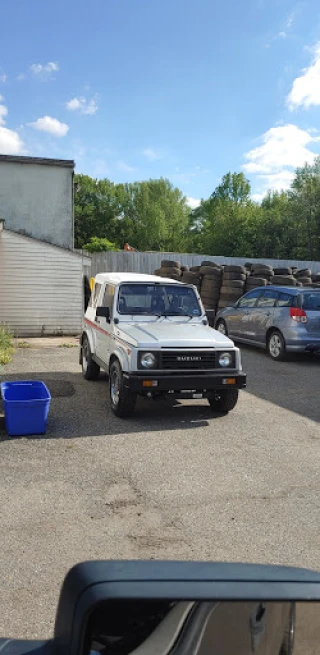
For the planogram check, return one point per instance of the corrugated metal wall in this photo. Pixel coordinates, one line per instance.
(41, 289)
(144, 262)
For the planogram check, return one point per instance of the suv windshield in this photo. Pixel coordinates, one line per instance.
(158, 299)
(310, 300)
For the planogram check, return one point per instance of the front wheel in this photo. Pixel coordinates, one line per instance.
(122, 399)
(223, 400)
(276, 345)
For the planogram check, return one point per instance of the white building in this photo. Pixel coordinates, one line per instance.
(41, 278)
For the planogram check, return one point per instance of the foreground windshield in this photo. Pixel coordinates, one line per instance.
(158, 299)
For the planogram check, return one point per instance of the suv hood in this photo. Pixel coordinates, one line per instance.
(170, 334)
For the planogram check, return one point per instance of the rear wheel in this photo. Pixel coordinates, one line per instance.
(90, 370)
(221, 327)
(122, 399)
(276, 345)
(223, 400)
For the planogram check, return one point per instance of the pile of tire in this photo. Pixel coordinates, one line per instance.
(303, 277)
(192, 276)
(263, 271)
(233, 285)
(211, 278)
(170, 268)
(316, 280)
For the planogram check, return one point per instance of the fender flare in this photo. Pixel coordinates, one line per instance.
(121, 355)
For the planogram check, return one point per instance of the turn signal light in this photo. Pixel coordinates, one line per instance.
(149, 383)
(298, 315)
(229, 381)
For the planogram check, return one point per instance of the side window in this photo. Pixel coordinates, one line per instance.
(250, 299)
(95, 295)
(268, 298)
(285, 299)
(108, 297)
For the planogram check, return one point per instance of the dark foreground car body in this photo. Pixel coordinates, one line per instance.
(281, 319)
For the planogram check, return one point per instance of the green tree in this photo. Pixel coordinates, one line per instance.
(99, 245)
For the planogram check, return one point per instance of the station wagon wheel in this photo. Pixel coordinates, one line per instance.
(221, 327)
(122, 399)
(276, 345)
(90, 370)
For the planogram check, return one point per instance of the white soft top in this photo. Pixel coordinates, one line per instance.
(117, 278)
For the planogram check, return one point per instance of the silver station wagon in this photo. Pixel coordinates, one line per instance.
(281, 319)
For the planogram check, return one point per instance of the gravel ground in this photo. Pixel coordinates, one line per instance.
(171, 482)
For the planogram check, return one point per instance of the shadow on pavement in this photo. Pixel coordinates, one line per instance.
(81, 409)
(293, 384)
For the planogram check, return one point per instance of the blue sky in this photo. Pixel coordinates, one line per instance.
(186, 89)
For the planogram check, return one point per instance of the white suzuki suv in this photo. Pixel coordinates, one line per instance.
(151, 335)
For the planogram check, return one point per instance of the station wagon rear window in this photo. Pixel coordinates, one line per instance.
(309, 300)
(158, 299)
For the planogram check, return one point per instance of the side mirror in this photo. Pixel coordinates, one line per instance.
(104, 312)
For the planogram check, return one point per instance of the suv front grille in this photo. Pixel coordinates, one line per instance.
(186, 359)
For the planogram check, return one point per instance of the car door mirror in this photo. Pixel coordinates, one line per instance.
(103, 312)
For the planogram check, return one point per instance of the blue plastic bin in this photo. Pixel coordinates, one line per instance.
(26, 407)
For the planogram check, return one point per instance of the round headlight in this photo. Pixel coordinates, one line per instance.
(148, 360)
(225, 359)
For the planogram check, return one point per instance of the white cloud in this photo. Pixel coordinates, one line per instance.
(84, 106)
(50, 125)
(10, 142)
(3, 77)
(290, 19)
(122, 166)
(193, 203)
(283, 146)
(150, 154)
(283, 149)
(305, 90)
(282, 35)
(44, 70)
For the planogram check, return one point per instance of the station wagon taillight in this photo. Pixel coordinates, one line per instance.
(298, 315)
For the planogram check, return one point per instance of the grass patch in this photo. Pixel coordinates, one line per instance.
(23, 344)
(67, 345)
(6, 345)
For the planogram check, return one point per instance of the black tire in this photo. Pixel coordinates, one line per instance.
(305, 280)
(262, 272)
(157, 271)
(195, 269)
(276, 346)
(223, 400)
(122, 400)
(168, 263)
(304, 272)
(171, 270)
(282, 271)
(256, 282)
(233, 284)
(210, 270)
(286, 280)
(90, 370)
(221, 326)
(234, 276)
(287, 646)
(231, 291)
(184, 268)
(235, 269)
(209, 263)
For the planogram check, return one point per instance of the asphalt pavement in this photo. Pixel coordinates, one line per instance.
(173, 481)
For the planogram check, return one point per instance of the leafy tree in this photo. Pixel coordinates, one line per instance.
(99, 245)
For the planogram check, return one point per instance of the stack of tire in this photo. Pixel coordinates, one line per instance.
(316, 280)
(170, 269)
(192, 276)
(211, 278)
(263, 271)
(284, 277)
(303, 277)
(233, 285)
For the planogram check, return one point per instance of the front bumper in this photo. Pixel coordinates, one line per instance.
(200, 382)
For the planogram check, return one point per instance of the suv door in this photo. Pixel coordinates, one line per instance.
(104, 328)
(239, 320)
(264, 314)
